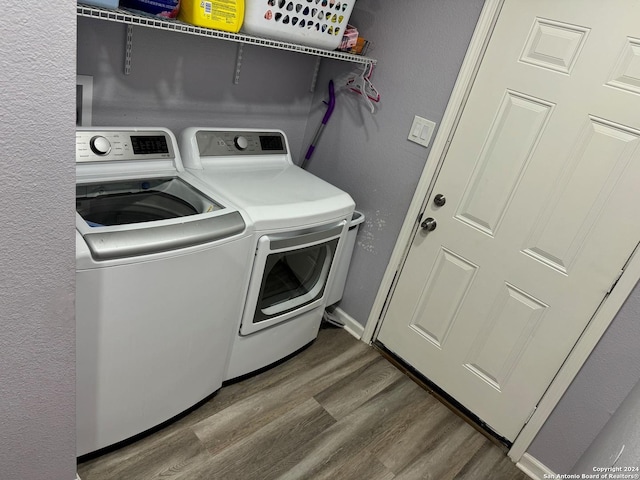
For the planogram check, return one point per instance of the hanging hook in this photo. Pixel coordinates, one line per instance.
(362, 85)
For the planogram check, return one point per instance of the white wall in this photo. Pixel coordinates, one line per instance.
(37, 328)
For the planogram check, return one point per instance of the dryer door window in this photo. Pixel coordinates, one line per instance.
(290, 275)
(293, 279)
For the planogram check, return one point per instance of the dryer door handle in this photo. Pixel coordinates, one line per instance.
(305, 239)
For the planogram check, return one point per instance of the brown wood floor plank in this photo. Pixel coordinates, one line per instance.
(247, 415)
(246, 459)
(443, 459)
(411, 432)
(331, 343)
(146, 458)
(491, 463)
(344, 396)
(348, 437)
(377, 425)
(362, 466)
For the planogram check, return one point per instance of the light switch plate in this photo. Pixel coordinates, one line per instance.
(421, 131)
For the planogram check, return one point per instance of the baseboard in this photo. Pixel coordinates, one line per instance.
(534, 468)
(78, 477)
(350, 324)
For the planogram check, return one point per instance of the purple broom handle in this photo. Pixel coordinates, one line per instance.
(330, 107)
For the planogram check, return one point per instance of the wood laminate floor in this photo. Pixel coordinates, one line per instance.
(338, 410)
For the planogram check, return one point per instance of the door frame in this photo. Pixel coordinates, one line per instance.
(603, 316)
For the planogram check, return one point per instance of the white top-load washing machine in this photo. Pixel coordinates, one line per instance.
(162, 264)
(300, 226)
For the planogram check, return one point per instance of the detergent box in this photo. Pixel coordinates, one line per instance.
(224, 15)
(161, 8)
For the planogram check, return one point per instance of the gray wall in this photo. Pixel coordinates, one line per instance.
(420, 47)
(618, 443)
(37, 339)
(180, 80)
(609, 374)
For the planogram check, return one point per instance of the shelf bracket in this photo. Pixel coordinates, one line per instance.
(128, 49)
(236, 75)
(314, 79)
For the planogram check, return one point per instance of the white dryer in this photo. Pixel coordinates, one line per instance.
(300, 225)
(162, 265)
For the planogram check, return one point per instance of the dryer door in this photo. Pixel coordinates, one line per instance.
(290, 276)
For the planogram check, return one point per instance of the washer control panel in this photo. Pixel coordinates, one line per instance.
(110, 145)
(231, 143)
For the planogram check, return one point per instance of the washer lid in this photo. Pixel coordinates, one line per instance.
(279, 196)
(129, 218)
(142, 200)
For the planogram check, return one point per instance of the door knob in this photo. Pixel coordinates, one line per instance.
(439, 200)
(429, 224)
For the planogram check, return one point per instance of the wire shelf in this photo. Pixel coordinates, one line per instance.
(130, 18)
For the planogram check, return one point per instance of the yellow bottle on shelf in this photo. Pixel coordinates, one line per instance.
(224, 15)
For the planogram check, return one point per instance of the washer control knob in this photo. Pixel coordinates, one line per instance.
(241, 142)
(100, 145)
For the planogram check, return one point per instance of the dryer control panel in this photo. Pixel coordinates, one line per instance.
(231, 143)
(110, 145)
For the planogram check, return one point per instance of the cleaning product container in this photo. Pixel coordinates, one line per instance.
(101, 3)
(315, 23)
(161, 8)
(342, 267)
(224, 15)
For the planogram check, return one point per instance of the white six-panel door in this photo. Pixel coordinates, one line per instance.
(542, 189)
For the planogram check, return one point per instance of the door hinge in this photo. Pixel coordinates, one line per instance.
(615, 281)
(531, 414)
